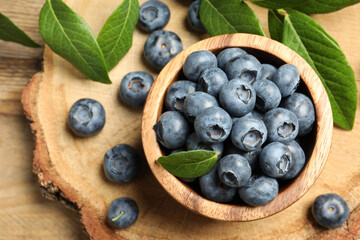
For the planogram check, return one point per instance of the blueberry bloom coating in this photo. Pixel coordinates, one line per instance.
(268, 95)
(86, 117)
(282, 125)
(172, 129)
(275, 159)
(303, 108)
(211, 81)
(330, 210)
(176, 94)
(153, 15)
(248, 134)
(195, 103)
(252, 157)
(298, 160)
(122, 213)
(234, 170)
(213, 189)
(121, 163)
(287, 79)
(197, 62)
(237, 97)
(267, 72)
(193, 17)
(257, 114)
(245, 67)
(229, 53)
(161, 46)
(135, 87)
(259, 190)
(194, 143)
(213, 125)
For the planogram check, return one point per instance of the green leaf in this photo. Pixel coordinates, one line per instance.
(230, 16)
(115, 38)
(305, 36)
(279, 4)
(190, 164)
(68, 35)
(325, 6)
(276, 24)
(10, 32)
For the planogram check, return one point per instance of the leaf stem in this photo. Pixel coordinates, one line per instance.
(119, 216)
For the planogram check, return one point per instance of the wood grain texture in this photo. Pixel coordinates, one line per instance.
(46, 220)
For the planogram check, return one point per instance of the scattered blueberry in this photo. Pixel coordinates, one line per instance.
(161, 46)
(135, 87)
(213, 125)
(248, 134)
(194, 143)
(196, 102)
(194, 17)
(123, 212)
(86, 117)
(259, 190)
(121, 163)
(267, 72)
(153, 15)
(268, 95)
(234, 170)
(298, 160)
(229, 53)
(303, 108)
(197, 62)
(282, 125)
(330, 210)
(172, 129)
(211, 81)
(245, 67)
(275, 159)
(287, 79)
(237, 97)
(176, 94)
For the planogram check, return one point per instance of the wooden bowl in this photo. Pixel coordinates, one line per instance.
(267, 51)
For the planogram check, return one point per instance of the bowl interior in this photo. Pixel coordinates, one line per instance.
(316, 145)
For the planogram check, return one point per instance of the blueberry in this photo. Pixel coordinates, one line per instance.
(267, 72)
(86, 117)
(268, 95)
(237, 97)
(250, 114)
(213, 125)
(177, 150)
(211, 81)
(257, 114)
(193, 17)
(248, 134)
(282, 125)
(298, 160)
(194, 143)
(197, 62)
(330, 210)
(287, 79)
(153, 15)
(245, 67)
(225, 55)
(161, 46)
(252, 157)
(176, 94)
(259, 190)
(275, 159)
(303, 108)
(121, 163)
(213, 189)
(171, 129)
(123, 212)
(234, 170)
(196, 102)
(135, 87)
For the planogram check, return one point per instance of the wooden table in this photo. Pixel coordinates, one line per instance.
(24, 214)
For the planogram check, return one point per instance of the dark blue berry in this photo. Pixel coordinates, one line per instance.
(229, 53)
(135, 87)
(176, 94)
(194, 143)
(252, 157)
(197, 62)
(153, 15)
(195, 103)
(194, 17)
(267, 72)
(211, 81)
(86, 117)
(330, 210)
(275, 159)
(161, 46)
(268, 95)
(298, 160)
(234, 170)
(123, 212)
(287, 79)
(245, 67)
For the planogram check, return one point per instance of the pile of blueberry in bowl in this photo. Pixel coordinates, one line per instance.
(254, 106)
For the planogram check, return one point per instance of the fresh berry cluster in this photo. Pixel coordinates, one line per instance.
(249, 112)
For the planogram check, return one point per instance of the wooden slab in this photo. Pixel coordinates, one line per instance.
(70, 168)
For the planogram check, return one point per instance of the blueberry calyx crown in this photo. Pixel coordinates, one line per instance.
(286, 129)
(252, 139)
(215, 132)
(135, 84)
(243, 93)
(284, 164)
(83, 115)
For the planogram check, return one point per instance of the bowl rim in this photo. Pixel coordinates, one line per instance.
(229, 212)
